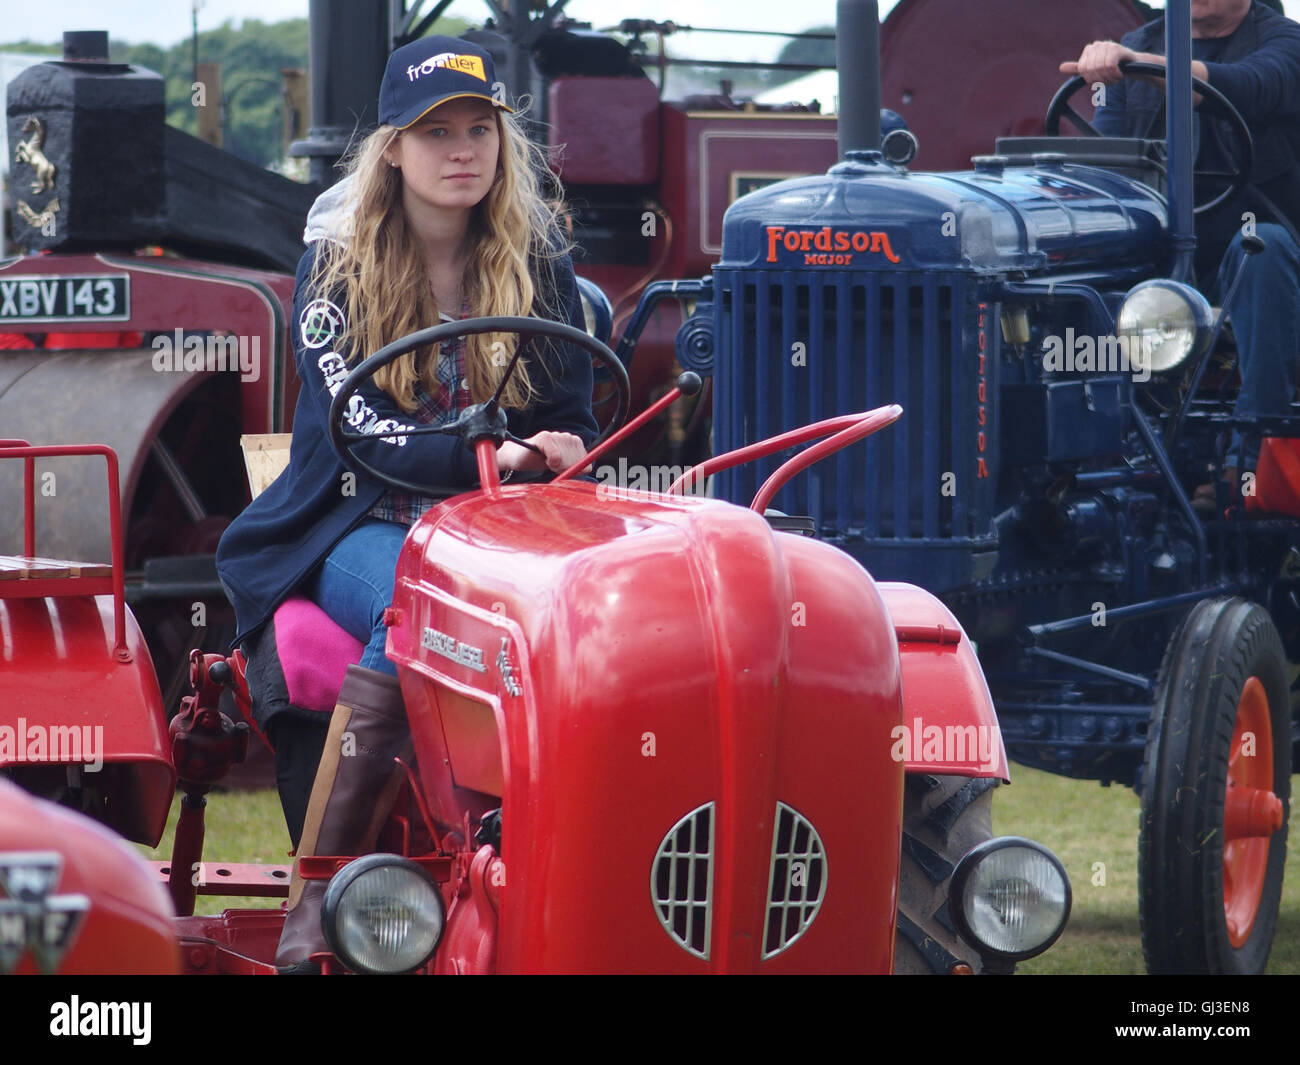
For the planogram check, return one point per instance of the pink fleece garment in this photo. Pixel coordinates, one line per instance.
(314, 654)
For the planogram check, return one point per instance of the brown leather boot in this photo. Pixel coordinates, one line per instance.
(353, 793)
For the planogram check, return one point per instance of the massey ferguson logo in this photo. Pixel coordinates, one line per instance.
(828, 247)
(31, 917)
(465, 64)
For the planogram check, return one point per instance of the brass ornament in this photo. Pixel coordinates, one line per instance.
(29, 152)
(43, 221)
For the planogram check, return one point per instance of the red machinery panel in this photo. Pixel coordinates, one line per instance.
(713, 157)
(962, 78)
(609, 130)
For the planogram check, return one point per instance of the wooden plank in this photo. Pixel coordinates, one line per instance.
(19, 567)
(266, 455)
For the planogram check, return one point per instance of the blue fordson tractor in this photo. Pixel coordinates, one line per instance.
(1040, 484)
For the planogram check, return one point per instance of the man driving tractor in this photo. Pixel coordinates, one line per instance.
(1251, 54)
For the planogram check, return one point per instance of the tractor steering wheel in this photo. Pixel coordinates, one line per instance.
(477, 421)
(1237, 178)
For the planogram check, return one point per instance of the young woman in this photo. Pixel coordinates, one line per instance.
(440, 217)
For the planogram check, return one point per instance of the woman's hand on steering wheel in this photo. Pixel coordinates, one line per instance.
(555, 451)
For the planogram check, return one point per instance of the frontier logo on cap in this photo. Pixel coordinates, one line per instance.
(427, 72)
(464, 64)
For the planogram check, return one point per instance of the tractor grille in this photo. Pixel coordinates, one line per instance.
(796, 347)
(681, 881)
(797, 881)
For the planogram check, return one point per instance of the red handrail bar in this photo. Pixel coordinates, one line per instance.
(614, 439)
(741, 455)
(29, 497)
(870, 423)
(10, 449)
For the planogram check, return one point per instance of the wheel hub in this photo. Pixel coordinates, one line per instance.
(1251, 812)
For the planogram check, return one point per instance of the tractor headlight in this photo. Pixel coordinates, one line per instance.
(597, 314)
(1009, 898)
(382, 914)
(1162, 324)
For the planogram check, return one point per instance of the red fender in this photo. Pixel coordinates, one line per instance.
(1277, 481)
(70, 700)
(949, 725)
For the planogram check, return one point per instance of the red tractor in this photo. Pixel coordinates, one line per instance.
(738, 716)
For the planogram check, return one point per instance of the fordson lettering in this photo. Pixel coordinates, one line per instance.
(827, 247)
(449, 647)
(981, 393)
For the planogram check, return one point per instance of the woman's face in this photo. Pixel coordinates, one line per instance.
(449, 158)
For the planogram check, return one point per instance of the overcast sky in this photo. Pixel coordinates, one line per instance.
(165, 22)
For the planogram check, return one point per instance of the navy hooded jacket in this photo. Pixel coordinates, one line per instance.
(282, 536)
(1257, 67)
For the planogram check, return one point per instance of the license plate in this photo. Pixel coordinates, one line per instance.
(51, 298)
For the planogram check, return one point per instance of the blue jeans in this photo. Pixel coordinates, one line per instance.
(1266, 321)
(355, 584)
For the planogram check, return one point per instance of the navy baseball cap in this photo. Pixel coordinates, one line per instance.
(428, 72)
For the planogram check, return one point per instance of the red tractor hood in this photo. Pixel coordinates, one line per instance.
(686, 717)
(74, 897)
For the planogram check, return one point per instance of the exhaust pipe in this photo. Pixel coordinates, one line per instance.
(348, 47)
(857, 54)
(1178, 118)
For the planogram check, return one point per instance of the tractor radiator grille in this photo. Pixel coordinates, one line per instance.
(796, 347)
(796, 882)
(681, 881)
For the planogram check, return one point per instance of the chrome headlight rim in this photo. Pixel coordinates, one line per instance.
(597, 314)
(1202, 320)
(961, 879)
(336, 896)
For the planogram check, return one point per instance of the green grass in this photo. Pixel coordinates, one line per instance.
(242, 826)
(1083, 823)
(1086, 824)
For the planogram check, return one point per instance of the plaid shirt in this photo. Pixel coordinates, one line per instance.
(444, 406)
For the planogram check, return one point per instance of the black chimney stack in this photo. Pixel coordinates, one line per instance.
(857, 55)
(94, 166)
(85, 46)
(349, 45)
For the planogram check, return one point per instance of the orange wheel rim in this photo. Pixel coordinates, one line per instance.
(1252, 813)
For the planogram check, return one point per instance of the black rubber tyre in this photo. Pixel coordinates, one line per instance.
(943, 818)
(1220, 645)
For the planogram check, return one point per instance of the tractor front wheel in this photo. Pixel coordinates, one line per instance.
(1216, 794)
(943, 818)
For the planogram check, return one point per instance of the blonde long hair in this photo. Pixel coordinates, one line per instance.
(514, 239)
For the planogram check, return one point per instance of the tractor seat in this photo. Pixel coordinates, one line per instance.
(314, 654)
